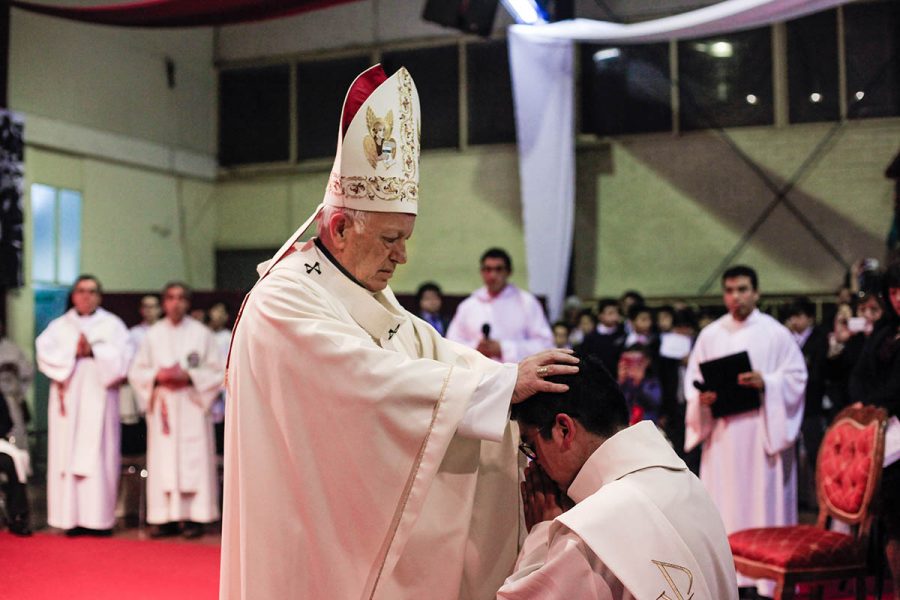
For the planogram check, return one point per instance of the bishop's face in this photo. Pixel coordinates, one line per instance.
(372, 254)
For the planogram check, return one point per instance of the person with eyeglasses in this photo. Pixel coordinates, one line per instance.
(85, 355)
(500, 320)
(612, 511)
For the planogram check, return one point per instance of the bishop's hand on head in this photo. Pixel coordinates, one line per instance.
(534, 369)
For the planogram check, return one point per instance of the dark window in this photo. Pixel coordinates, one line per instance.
(812, 63)
(321, 88)
(491, 117)
(873, 59)
(625, 89)
(236, 269)
(436, 73)
(726, 80)
(254, 115)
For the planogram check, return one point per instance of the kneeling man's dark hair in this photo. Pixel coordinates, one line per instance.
(594, 400)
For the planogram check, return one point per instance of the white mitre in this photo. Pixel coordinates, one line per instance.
(376, 167)
(377, 163)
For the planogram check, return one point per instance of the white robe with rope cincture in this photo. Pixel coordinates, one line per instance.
(365, 455)
(642, 526)
(748, 461)
(181, 483)
(83, 453)
(516, 318)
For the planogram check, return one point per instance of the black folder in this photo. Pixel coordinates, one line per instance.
(721, 376)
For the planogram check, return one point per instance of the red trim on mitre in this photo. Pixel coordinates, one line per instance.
(360, 90)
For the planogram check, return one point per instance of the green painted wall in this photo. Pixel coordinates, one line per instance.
(659, 213)
(114, 79)
(139, 228)
(469, 201)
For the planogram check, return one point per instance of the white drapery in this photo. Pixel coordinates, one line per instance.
(544, 116)
(541, 66)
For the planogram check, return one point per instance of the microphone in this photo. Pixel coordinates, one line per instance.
(486, 331)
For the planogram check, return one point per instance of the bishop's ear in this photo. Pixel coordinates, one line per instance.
(338, 227)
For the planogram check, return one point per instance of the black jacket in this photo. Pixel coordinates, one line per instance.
(815, 353)
(876, 378)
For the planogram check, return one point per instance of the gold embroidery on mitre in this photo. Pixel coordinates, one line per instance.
(374, 188)
(664, 569)
(409, 128)
(378, 146)
(380, 149)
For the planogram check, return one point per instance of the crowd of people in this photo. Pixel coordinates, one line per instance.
(808, 368)
(372, 452)
(167, 372)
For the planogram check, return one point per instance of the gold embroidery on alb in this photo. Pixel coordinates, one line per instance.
(673, 587)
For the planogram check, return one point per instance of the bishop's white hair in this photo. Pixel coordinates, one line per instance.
(357, 217)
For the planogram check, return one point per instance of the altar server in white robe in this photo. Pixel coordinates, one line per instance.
(642, 525)
(150, 311)
(365, 455)
(177, 374)
(748, 460)
(84, 353)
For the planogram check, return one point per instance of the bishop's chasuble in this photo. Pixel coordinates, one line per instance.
(748, 462)
(366, 456)
(181, 451)
(83, 454)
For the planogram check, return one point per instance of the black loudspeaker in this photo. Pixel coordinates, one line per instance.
(470, 16)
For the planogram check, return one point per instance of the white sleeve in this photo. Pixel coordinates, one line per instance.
(109, 346)
(488, 410)
(698, 419)
(536, 337)
(142, 374)
(783, 397)
(459, 329)
(557, 569)
(56, 352)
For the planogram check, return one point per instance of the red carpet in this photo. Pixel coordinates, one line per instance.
(52, 566)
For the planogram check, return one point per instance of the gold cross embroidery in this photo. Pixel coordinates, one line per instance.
(664, 569)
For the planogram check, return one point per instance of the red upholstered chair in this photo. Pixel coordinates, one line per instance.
(848, 473)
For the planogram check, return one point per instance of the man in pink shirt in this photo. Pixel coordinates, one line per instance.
(500, 320)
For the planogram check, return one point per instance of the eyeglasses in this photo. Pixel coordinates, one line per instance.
(528, 449)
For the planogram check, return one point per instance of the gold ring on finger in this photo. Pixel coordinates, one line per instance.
(543, 371)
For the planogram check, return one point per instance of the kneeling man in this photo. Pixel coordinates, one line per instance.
(611, 510)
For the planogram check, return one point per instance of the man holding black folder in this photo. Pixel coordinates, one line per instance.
(744, 389)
